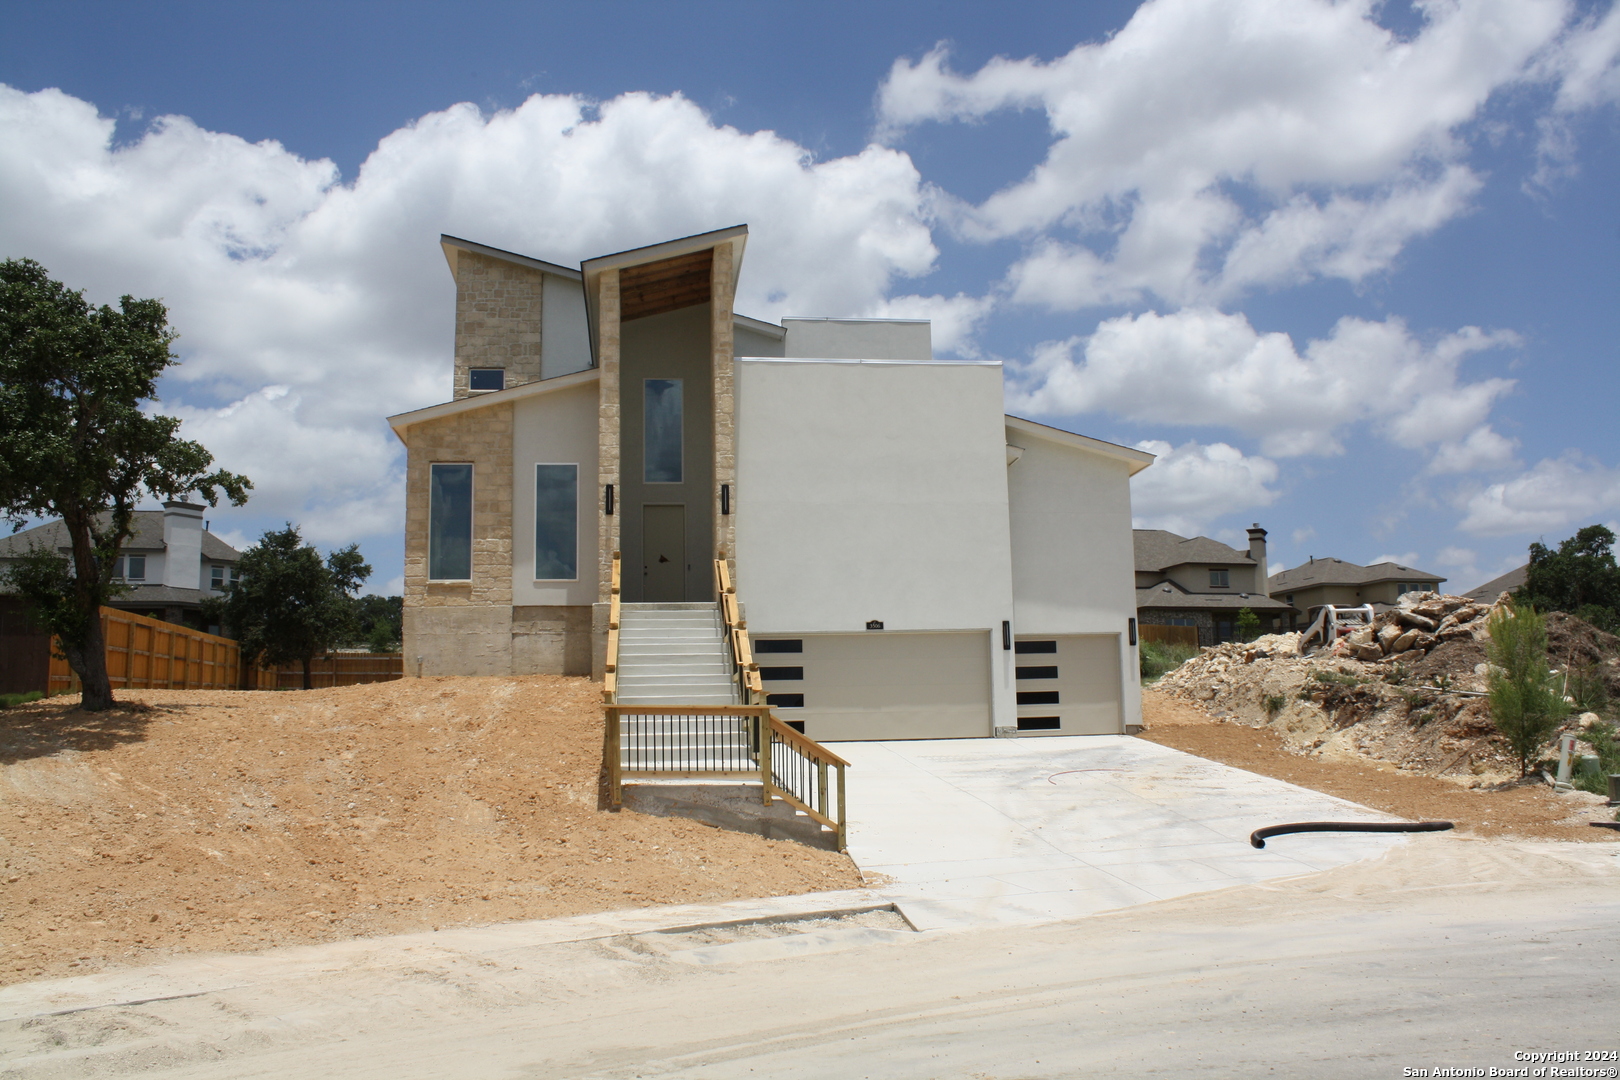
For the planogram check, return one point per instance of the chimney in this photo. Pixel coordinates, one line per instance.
(182, 543)
(1257, 552)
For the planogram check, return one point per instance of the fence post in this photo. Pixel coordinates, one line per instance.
(614, 764)
(843, 829)
(767, 739)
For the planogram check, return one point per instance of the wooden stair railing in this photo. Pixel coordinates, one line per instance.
(744, 669)
(610, 668)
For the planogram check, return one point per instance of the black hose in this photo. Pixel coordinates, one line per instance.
(1258, 837)
(1604, 824)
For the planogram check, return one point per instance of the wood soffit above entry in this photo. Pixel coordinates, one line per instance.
(667, 285)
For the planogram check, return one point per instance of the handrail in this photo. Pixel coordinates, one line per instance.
(686, 741)
(743, 668)
(610, 667)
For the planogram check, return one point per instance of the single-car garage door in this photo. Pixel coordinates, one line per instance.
(1068, 684)
(879, 685)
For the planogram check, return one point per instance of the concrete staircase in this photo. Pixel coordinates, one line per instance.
(674, 654)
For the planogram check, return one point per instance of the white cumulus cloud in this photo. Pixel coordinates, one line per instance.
(1555, 495)
(1210, 147)
(1207, 368)
(1192, 484)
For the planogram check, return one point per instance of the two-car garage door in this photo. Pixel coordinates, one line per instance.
(1068, 684)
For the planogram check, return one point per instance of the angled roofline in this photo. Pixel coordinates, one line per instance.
(591, 270)
(1136, 459)
(399, 422)
(760, 326)
(452, 244)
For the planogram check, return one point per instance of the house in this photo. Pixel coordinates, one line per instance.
(1512, 581)
(1312, 584)
(1196, 581)
(912, 562)
(170, 564)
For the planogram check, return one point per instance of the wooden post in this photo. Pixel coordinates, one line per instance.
(766, 735)
(614, 766)
(843, 828)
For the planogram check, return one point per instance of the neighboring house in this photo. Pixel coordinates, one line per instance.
(1508, 582)
(913, 563)
(171, 563)
(1312, 584)
(1196, 581)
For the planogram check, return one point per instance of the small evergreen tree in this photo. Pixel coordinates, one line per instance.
(1248, 625)
(289, 606)
(1526, 705)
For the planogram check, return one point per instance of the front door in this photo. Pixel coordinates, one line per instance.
(663, 554)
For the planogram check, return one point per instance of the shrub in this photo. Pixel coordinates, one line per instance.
(1602, 736)
(1158, 657)
(1526, 705)
(1583, 685)
(8, 700)
(1274, 703)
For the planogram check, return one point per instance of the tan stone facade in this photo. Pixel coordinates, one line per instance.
(499, 306)
(461, 627)
(721, 334)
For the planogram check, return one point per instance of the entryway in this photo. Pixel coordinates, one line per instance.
(663, 554)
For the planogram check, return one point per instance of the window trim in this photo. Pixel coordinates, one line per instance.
(472, 515)
(471, 389)
(578, 517)
(1224, 574)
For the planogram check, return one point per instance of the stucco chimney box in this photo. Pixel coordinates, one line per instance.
(1257, 552)
(182, 542)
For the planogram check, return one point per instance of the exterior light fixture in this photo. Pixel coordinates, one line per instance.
(725, 498)
(1006, 636)
(607, 500)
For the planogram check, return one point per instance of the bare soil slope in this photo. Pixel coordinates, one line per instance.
(204, 820)
(1530, 811)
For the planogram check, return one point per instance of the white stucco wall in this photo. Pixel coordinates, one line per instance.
(556, 428)
(1073, 567)
(857, 339)
(565, 344)
(874, 491)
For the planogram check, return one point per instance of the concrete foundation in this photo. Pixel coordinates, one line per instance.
(734, 807)
(551, 640)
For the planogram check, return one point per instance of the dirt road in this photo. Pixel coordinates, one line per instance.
(1448, 952)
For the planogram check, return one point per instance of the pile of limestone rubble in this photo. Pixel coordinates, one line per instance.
(1407, 690)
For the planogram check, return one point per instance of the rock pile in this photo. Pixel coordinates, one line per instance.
(1421, 621)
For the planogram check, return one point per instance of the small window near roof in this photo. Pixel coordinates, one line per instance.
(486, 379)
(1220, 579)
(216, 575)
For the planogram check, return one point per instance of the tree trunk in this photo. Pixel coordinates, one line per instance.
(309, 683)
(90, 665)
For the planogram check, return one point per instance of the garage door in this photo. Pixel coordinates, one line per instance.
(1068, 684)
(879, 685)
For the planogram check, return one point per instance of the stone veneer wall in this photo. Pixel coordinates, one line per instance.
(498, 318)
(461, 628)
(607, 460)
(723, 369)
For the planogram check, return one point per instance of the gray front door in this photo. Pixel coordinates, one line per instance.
(663, 554)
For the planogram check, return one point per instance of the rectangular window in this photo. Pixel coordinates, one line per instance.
(216, 578)
(1035, 647)
(556, 522)
(486, 379)
(781, 674)
(1220, 579)
(135, 568)
(780, 645)
(785, 701)
(661, 431)
(450, 523)
(1038, 697)
(1039, 723)
(1037, 672)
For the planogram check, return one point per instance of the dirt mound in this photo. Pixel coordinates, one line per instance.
(1394, 692)
(206, 820)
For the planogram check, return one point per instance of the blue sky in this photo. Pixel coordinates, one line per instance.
(1353, 269)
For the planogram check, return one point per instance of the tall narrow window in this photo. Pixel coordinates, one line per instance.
(450, 523)
(556, 522)
(661, 431)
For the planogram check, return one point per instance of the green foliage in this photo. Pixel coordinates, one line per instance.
(288, 605)
(1525, 699)
(8, 700)
(378, 623)
(1581, 578)
(1158, 657)
(1274, 704)
(1583, 685)
(78, 443)
(1605, 740)
(1336, 678)
(1248, 625)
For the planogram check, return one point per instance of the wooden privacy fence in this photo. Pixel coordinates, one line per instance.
(340, 669)
(148, 653)
(1170, 635)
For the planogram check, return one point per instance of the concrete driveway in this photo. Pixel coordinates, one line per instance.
(1004, 831)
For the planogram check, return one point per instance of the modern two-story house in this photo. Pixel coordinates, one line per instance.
(170, 565)
(1203, 583)
(913, 563)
